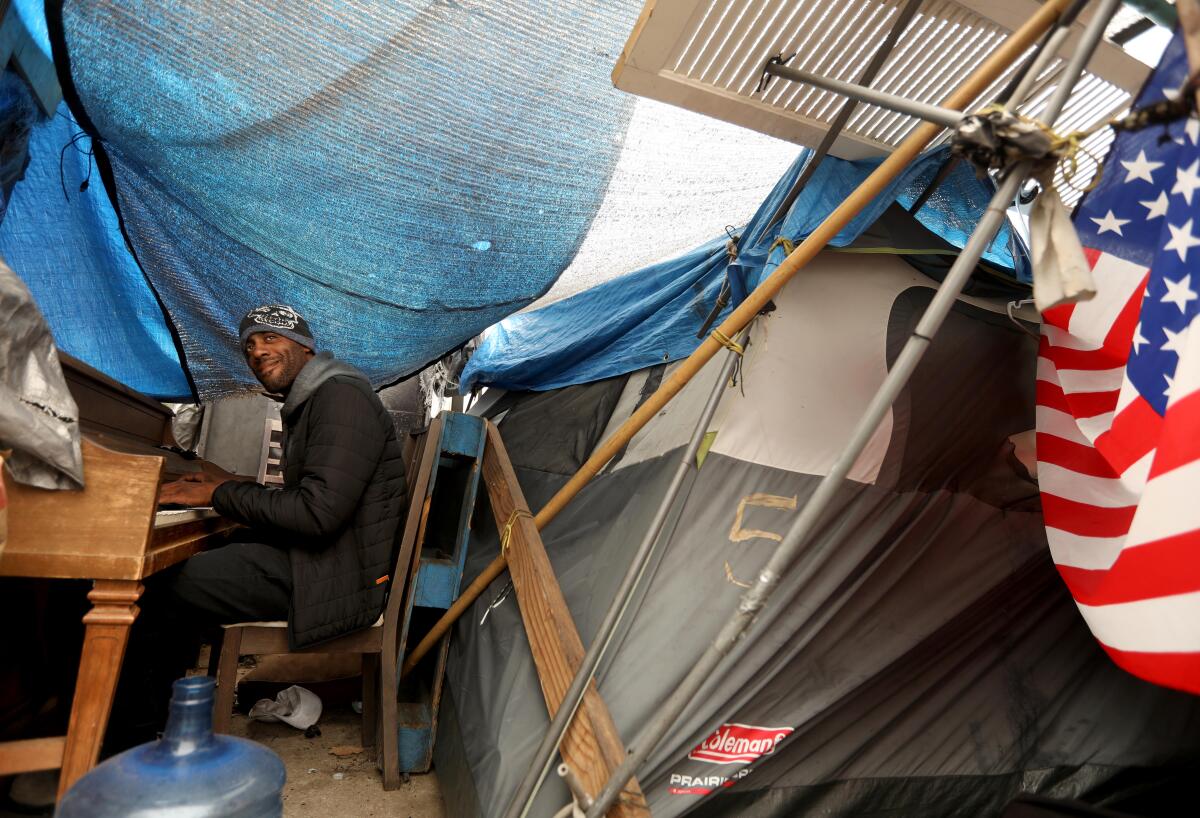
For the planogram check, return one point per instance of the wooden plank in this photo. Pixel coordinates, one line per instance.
(31, 755)
(592, 748)
(101, 531)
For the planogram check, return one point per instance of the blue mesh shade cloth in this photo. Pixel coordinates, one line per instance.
(403, 174)
(651, 316)
(67, 247)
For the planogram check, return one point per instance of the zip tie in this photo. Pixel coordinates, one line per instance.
(506, 534)
(727, 342)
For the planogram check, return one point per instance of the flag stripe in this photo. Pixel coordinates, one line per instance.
(1104, 492)
(1078, 457)
(1159, 569)
(1133, 435)
(1078, 551)
(1179, 444)
(1080, 404)
(1067, 358)
(1170, 506)
(1159, 625)
(1080, 380)
(1059, 424)
(1107, 317)
(1084, 518)
(1094, 427)
(1126, 396)
(1178, 670)
(1060, 317)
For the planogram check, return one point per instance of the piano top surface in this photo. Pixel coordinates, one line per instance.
(112, 529)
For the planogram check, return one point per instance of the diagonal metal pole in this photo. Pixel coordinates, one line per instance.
(797, 537)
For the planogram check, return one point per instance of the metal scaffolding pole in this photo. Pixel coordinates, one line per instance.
(790, 547)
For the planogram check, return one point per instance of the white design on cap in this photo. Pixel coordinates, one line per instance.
(275, 315)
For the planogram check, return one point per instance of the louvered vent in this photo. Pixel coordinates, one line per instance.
(707, 55)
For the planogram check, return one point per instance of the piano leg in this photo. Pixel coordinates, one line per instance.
(114, 607)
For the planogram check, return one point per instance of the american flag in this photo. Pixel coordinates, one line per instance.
(1118, 403)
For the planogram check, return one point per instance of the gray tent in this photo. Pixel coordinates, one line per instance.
(932, 664)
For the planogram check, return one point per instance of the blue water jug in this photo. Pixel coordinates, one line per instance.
(190, 771)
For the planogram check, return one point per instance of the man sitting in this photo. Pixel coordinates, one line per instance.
(318, 551)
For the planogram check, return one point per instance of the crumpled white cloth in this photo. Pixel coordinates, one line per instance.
(1061, 273)
(293, 705)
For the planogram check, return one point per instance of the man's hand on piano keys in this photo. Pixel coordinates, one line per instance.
(192, 490)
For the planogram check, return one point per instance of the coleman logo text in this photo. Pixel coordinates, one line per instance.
(739, 744)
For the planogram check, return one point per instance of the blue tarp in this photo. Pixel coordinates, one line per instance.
(403, 174)
(651, 316)
(67, 247)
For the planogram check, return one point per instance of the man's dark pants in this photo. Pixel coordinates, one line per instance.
(246, 580)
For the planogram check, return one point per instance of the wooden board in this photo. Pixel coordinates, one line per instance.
(98, 533)
(592, 748)
(31, 754)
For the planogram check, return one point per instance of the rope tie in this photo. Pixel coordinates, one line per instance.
(782, 241)
(1063, 150)
(506, 533)
(727, 342)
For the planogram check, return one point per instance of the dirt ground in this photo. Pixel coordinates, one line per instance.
(314, 788)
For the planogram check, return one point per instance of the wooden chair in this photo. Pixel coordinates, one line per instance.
(378, 644)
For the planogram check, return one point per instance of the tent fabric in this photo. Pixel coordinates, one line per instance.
(652, 315)
(403, 175)
(920, 658)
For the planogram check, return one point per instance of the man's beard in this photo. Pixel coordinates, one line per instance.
(283, 371)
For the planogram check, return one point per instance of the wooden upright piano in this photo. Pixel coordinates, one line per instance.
(112, 533)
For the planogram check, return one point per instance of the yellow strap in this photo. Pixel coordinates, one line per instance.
(727, 342)
(506, 534)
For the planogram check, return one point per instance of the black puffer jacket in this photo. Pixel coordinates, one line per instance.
(341, 502)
